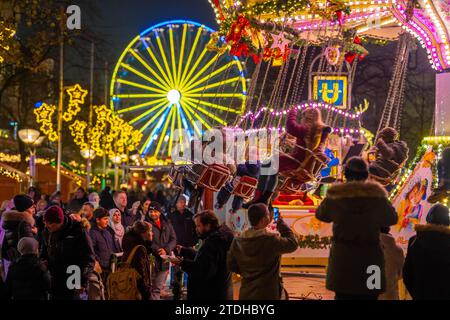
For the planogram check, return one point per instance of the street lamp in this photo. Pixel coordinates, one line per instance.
(89, 155)
(33, 139)
(116, 160)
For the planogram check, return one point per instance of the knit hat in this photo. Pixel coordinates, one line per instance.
(439, 214)
(54, 214)
(100, 213)
(388, 134)
(356, 169)
(23, 202)
(155, 206)
(28, 245)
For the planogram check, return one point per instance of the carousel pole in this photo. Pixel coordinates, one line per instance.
(60, 104)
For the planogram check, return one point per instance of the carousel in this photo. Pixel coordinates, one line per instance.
(300, 60)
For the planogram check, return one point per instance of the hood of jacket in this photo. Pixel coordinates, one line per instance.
(250, 241)
(16, 216)
(432, 236)
(356, 189)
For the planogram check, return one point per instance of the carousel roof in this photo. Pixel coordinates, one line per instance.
(315, 21)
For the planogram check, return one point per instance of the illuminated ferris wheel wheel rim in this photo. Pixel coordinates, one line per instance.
(168, 86)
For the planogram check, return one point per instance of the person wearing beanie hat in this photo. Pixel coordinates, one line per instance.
(358, 209)
(390, 155)
(28, 278)
(164, 242)
(426, 272)
(65, 243)
(17, 223)
(104, 241)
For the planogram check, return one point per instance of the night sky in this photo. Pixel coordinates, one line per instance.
(121, 20)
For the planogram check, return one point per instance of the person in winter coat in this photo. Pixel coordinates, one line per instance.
(78, 201)
(17, 224)
(106, 199)
(140, 234)
(209, 277)
(28, 278)
(358, 210)
(104, 241)
(394, 259)
(66, 244)
(142, 210)
(115, 222)
(164, 242)
(312, 134)
(121, 201)
(182, 221)
(426, 273)
(256, 256)
(391, 153)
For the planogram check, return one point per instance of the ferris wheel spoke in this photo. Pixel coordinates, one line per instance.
(141, 86)
(196, 115)
(145, 64)
(148, 143)
(146, 113)
(172, 129)
(214, 95)
(199, 59)
(205, 67)
(142, 105)
(192, 121)
(156, 62)
(191, 85)
(209, 114)
(213, 105)
(166, 65)
(153, 118)
(162, 136)
(183, 45)
(143, 76)
(184, 121)
(139, 95)
(172, 56)
(191, 53)
(214, 85)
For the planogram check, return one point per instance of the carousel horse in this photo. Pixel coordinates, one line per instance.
(387, 157)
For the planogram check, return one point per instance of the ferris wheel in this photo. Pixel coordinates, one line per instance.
(167, 79)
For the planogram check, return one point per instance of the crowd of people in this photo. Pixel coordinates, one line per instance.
(50, 250)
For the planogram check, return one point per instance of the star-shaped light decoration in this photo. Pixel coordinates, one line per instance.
(44, 113)
(77, 94)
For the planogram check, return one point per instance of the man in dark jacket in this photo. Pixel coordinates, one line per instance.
(426, 272)
(28, 278)
(209, 277)
(184, 226)
(78, 201)
(256, 256)
(164, 242)
(66, 244)
(358, 210)
(121, 201)
(17, 224)
(104, 241)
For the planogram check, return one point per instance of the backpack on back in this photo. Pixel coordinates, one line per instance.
(122, 284)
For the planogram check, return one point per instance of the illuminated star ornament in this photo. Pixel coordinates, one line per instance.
(77, 94)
